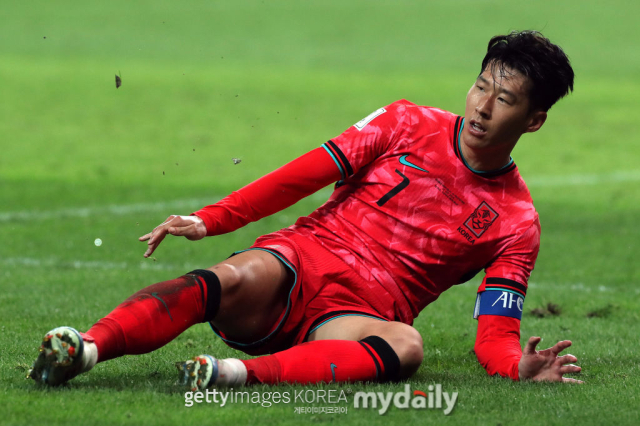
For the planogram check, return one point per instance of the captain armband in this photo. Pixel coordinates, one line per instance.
(500, 301)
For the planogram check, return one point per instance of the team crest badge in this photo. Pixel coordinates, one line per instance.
(481, 219)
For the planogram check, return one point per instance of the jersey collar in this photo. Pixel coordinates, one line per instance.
(456, 147)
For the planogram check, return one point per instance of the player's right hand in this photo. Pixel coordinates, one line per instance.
(547, 365)
(191, 227)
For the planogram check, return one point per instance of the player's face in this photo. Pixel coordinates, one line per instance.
(497, 110)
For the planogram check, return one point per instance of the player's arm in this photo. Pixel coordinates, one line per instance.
(498, 350)
(268, 195)
(340, 158)
(499, 310)
(271, 193)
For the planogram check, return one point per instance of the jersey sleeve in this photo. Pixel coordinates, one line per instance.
(504, 286)
(368, 139)
(271, 193)
(498, 345)
(499, 305)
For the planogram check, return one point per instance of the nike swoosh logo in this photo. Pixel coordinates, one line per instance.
(333, 371)
(403, 160)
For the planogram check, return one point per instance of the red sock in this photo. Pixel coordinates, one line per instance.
(154, 316)
(371, 359)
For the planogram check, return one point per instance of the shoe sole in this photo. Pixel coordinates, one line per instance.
(198, 373)
(60, 357)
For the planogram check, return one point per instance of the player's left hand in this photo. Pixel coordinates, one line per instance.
(546, 365)
(190, 227)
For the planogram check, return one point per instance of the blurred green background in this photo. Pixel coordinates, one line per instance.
(266, 81)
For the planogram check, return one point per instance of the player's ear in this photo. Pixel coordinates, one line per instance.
(536, 120)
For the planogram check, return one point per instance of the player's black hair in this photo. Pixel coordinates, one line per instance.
(534, 56)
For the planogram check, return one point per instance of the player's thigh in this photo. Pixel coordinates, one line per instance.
(254, 289)
(403, 339)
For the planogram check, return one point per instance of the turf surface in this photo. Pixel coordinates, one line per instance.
(265, 81)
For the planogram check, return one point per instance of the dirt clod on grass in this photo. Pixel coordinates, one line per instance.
(551, 309)
(601, 312)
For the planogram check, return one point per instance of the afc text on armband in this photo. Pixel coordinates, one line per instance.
(499, 302)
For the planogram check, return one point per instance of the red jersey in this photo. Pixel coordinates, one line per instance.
(411, 215)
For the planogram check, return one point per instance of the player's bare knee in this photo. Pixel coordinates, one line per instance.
(251, 279)
(410, 350)
(230, 277)
(407, 343)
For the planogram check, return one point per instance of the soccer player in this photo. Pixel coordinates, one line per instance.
(424, 200)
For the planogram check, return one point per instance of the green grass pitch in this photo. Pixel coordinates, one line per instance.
(204, 82)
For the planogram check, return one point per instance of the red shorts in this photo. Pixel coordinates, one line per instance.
(325, 288)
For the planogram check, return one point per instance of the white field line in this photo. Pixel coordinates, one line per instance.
(578, 286)
(113, 209)
(185, 206)
(584, 179)
(52, 262)
(150, 265)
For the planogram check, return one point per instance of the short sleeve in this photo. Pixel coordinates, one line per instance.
(368, 139)
(504, 286)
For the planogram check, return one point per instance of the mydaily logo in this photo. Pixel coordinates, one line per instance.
(334, 400)
(406, 399)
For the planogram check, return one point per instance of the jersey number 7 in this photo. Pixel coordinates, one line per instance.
(395, 190)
